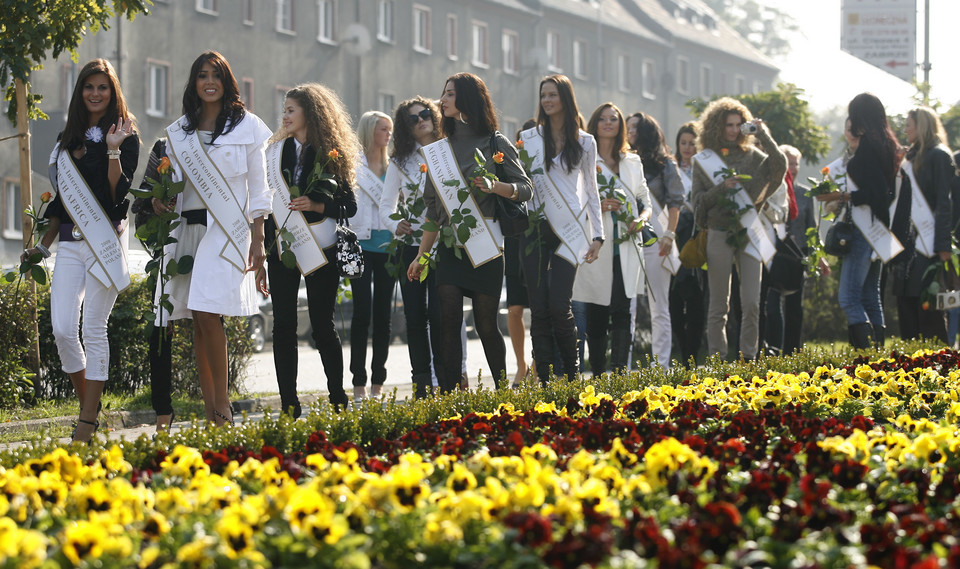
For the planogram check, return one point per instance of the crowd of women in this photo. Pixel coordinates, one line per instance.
(609, 209)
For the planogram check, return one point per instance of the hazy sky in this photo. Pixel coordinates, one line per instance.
(832, 77)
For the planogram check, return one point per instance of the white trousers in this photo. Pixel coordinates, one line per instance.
(658, 295)
(72, 287)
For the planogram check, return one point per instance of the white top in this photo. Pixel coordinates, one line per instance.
(395, 189)
(578, 186)
(367, 218)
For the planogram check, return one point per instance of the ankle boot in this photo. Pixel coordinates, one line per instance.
(860, 335)
(421, 385)
(879, 335)
(619, 350)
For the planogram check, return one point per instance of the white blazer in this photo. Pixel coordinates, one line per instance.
(216, 285)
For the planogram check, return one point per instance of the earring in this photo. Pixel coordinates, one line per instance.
(460, 116)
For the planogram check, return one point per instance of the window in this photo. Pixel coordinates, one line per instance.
(248, 12)
(683, 75)
(479, 55)
(157, 74)
(602, 62)
(285, 16)
(452, 50)
(706, 81)
(756, 86)
(511, 52)
(649, 78)
(421, 29)
(326, 14)
(12, 218)
(739, 85)
(246, 91)
(279, 96)
(386, 101)
(553, 51)
(207, 6)
(67, 83)
(385, 21)
(623, 73)
(580, 59)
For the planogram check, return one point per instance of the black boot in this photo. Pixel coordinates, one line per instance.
(619, 350)
(879, 335)
(421, 385)
(860, 335)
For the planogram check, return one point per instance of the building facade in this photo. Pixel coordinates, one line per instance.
(649, 55)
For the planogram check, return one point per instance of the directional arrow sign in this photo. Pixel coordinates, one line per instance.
(883, 33)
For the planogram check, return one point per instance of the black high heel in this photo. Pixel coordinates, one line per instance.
(226, 420)
(169, 425)
(96, 425)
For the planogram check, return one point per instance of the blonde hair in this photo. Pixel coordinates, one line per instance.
(930, 133)
(713, 121)
(366, 126)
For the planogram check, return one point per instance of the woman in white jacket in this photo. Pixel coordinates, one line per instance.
(610, 285)
(217, 147)
(373, 290)
(403, 211)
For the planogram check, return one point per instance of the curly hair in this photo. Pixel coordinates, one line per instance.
(650, 143)
(690, 127)
(713, 121)
(232, 110)
(474, 104)
(403, 139)
(572, 121)
(328, 128)
(930, 133)
(620, 145)
(78, 117)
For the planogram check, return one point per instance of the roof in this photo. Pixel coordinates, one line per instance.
(612, 15)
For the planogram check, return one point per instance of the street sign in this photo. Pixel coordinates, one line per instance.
(881, 32)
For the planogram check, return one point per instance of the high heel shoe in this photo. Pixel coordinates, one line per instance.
(96, 425)
(169, 424)
(226, 420)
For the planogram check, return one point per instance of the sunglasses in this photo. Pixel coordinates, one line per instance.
(425, 114)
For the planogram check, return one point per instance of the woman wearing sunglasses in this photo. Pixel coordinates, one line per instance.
(403, 211)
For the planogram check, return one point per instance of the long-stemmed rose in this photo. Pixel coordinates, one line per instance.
(319, 181)
(410, 209)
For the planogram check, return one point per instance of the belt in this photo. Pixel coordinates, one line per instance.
(70, 232)
(195, 217)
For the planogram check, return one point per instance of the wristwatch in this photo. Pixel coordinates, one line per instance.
(600, 239)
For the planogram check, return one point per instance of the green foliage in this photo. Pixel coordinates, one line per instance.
(767, 28)
(788, 117)
(16, 383)
(823, 320)
(32, 30)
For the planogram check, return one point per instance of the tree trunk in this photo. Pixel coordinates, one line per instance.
(26, 198)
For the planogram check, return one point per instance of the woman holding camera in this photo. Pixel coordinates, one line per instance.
(729, 163)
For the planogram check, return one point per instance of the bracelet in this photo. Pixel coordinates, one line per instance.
(113, 154)
(516, 192)
(670, 235)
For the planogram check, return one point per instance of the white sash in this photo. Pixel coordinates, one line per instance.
(309, 254)
(213, 190)
(566, 224)
(405, 191)
(486, 239)
(759, 245)
(884, 243)
(623, 228)
(920, 214)
(369, 183)
(94, 224)
(660, 222)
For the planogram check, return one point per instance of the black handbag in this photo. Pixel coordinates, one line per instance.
(349, 255)
(788, 266)
(511, 215)
(839, 236)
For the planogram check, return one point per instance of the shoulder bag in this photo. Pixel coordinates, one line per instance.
(349, 255)
(511, 214)
(840, 236)
(788, 267)
(693, 255)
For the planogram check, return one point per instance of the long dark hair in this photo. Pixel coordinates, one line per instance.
(231, 110)
(868, 121)
(572, 121)
(474, 103)
(650, 144)
(620, 145)
(78, 117)
(403, 139)
(686, 128)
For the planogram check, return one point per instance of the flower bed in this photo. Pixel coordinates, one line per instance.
(726, 472)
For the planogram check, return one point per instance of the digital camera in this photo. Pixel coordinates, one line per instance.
(748, 128)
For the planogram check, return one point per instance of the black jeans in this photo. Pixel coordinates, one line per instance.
(161, 370)
(784, 321)
(421, 307)
(916, 322)
(687, 312)
(613, 321)
(369, 305)
(322, 299)
(550, 288)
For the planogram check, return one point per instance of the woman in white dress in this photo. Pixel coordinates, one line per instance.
(217, 147)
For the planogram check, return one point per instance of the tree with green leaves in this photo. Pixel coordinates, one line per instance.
(31, 31)
(788, 117)
(766, 27)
